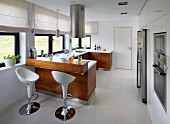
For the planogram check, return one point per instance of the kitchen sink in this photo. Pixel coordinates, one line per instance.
(80, 51)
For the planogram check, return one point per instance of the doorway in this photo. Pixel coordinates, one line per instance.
(123, 47)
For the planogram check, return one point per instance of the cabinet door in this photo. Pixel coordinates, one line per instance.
(160, 25)
(96, 57)
(168, 40)
(161, 7)
(106, 60)
(85, 56)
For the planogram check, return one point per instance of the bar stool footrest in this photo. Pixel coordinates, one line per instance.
(25, 110)
(69, 114)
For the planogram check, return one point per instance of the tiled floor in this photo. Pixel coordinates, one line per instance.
(116, 101)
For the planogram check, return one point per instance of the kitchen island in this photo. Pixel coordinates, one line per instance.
(82, 87)
(103, 58)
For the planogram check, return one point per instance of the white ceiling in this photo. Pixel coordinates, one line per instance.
(96, 10)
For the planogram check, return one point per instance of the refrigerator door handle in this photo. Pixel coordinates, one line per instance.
(138, 74)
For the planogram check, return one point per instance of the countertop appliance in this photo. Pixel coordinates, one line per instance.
(142, 65)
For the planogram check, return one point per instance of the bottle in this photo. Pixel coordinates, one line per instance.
(72, 59)
(42, 53)
(35, 53)
(30, 53)
(99, 47)
(79, 59)
(95, 47)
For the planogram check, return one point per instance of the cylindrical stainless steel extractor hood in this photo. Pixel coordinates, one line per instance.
(77, 14)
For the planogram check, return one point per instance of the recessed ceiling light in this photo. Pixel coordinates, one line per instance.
(122, 3)
(123, 13)
(157, 11)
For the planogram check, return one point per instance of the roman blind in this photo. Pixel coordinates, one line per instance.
(13, 15)
(45, 21)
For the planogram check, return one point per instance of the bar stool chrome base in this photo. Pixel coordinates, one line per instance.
(65, 114)
(29, 109)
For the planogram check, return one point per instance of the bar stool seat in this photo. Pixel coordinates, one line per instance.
(65, 112)
(27, 77)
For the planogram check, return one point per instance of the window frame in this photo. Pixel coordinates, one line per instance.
(63, 44)
(90, 42)
(16, 44)
(80, 43)
(50, 42)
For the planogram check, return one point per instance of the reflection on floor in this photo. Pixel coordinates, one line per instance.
(116, 101)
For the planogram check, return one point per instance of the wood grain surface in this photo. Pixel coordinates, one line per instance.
(82, 87)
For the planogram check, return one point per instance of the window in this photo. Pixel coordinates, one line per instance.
(42, 43)
(81, 42)
(9, 45)
(49, 43)
(75, 42)
(58, 43)
(86, 42)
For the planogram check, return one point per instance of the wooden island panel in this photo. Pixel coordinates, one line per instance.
(86, 55)
(106, 60)
(97, 57)
(82, 87)
(64, 66)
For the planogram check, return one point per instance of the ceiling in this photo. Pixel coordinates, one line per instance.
(96, 10)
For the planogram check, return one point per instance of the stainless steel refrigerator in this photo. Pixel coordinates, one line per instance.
(142, 65)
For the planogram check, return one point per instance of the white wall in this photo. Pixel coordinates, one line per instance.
(155, 17)
(105, 36)
(11, 89)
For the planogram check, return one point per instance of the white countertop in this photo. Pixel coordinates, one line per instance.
(88, 50)
(82, 51)
(98, 51)
(91, 63)
(91, 50)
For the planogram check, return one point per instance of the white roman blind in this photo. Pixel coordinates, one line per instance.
(13, 15)
(46, 21)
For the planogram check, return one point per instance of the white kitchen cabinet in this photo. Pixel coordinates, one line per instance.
(153, 10)
(149, 63)
(146, 15)
(161, 7)
(168, 63)
(160, 25)
(168, 95)
(168, 40)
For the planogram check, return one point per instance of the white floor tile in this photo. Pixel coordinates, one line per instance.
(116, 101)
(126, 119)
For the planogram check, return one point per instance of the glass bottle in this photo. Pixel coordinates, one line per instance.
(30, 53)
(80, 59)
(42, 53)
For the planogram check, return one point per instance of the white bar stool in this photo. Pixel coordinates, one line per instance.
(28, 77)
(65, 112)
